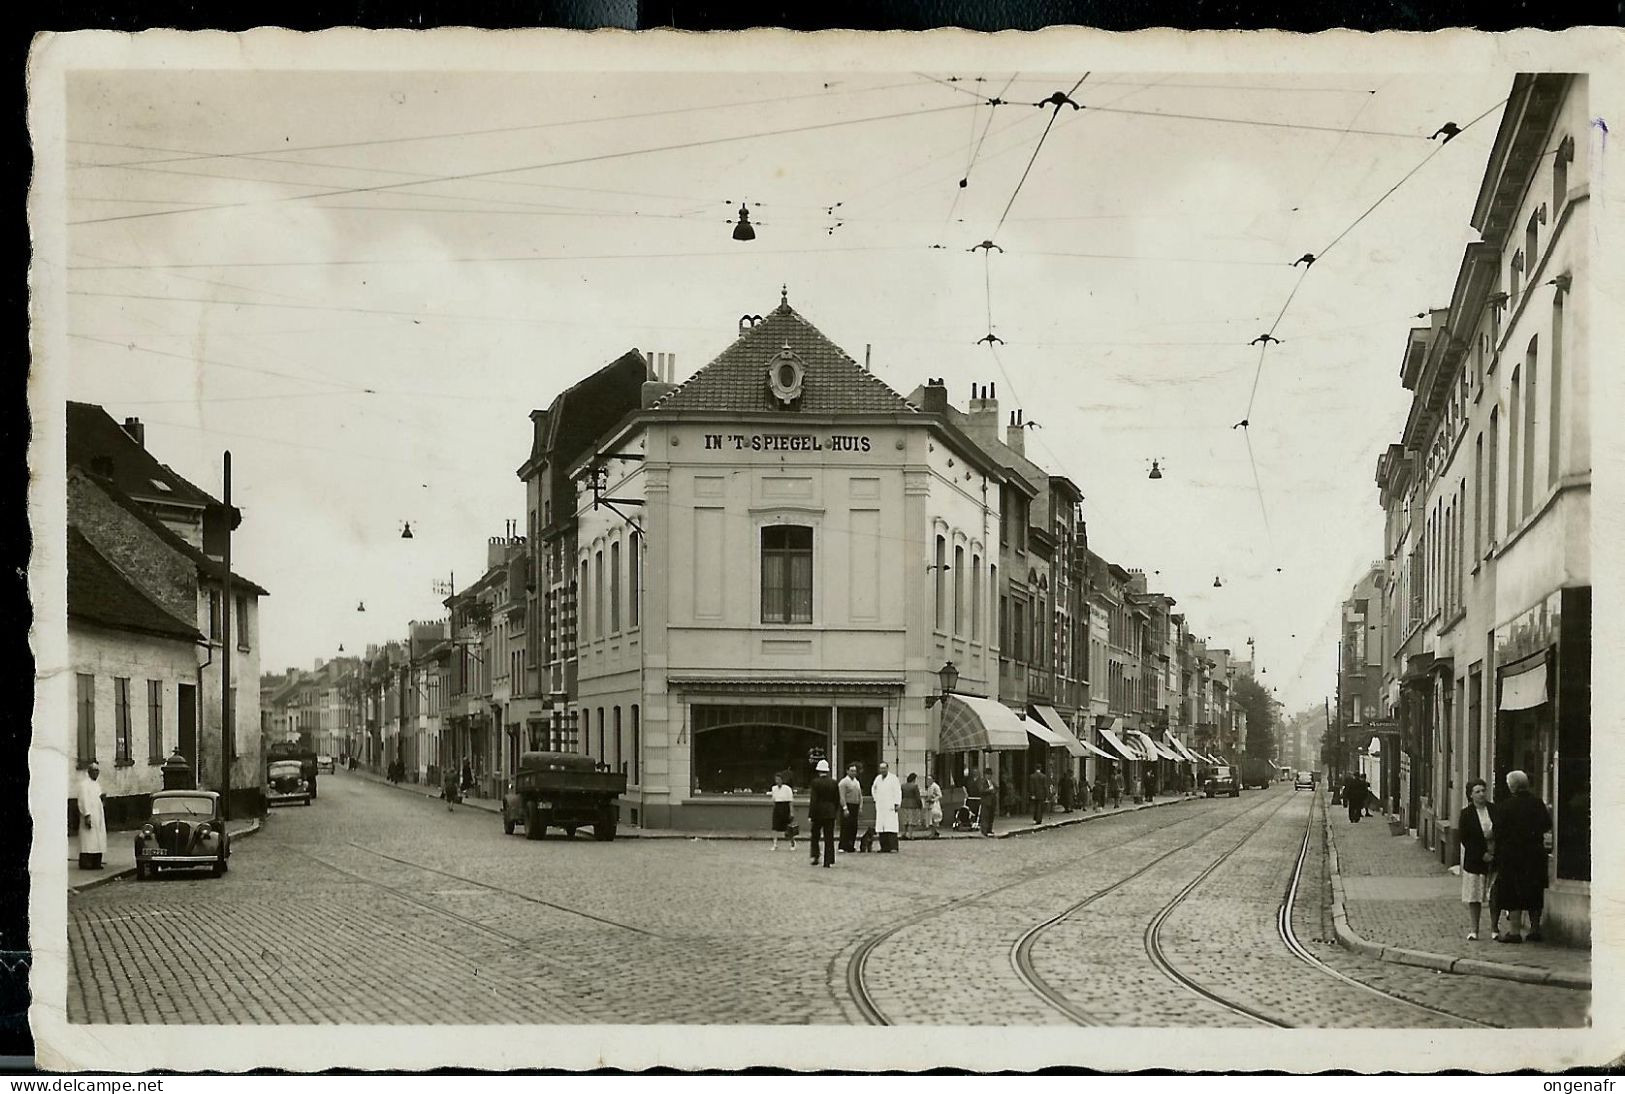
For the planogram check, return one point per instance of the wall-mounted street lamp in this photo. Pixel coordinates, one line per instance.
(948, 679)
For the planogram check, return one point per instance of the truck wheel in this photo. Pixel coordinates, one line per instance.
(507, 825)
(570, 830)
(604, 830)
(534, 828)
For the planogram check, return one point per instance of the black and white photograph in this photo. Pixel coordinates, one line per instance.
(572, 550)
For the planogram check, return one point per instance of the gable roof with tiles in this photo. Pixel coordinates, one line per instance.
(736, 381)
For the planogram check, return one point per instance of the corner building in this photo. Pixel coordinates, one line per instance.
(760, 564)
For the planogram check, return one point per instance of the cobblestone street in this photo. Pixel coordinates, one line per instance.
(378, 907)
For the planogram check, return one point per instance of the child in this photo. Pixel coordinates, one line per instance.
(783, 796)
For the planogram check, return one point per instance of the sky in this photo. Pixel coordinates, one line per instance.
(362, 282)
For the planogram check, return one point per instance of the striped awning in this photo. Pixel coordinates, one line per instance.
(1123, 750)
(1064, 737)
(1152, 749)
(970, 724)
(1179, 746)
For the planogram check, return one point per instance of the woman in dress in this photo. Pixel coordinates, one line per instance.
(911, 815)
(783, 796)
(931, 798)
(1477, 853)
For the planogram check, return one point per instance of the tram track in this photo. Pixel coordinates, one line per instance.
(1285, 932)
(1021, 952)
(857, 964)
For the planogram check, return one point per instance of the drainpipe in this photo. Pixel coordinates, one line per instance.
(197, 712)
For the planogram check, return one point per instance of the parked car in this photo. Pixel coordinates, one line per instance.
(1222, 780)
(185, 831)
(324, 763)
(1304, 781)
(285, 783)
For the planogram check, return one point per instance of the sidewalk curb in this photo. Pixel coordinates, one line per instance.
(410, 788)
(1350, 939)
(127, 871)
(680, 834)
(1081, 818)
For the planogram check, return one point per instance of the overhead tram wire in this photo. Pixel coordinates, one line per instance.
(1263, 349)
(186, 157)
(601, 157)
(976, 152)
(1056, 113)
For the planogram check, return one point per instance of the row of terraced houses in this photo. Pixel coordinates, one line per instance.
(718, 579)
(1466, 650)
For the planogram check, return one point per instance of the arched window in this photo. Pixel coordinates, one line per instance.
(634, 580)
(937, 570)
(959, 591)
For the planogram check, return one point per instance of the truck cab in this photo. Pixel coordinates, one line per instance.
(565, 790)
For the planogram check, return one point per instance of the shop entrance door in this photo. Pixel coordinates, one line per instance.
(859, 740)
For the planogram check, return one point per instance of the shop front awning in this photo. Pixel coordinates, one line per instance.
(1122, 749)
(1152, 749)
(1102, 753)
(1064, 738)
(1180, 748)
(970, 724)
(1525, 687)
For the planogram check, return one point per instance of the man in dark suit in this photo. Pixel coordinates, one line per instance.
(989, 792)
(823, 806)
(1038, 793)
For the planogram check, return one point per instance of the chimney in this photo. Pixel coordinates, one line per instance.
(936, 397)
(1016, 436)
(661, 367)
(136, 431)
(496, 552)
(983, 416)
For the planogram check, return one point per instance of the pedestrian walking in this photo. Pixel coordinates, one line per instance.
(823, 806)
(888, 795)
(851, 809)
(92, 819)
(468, 775)
(1523, 832)
(1354, 796)
(911, 815)
(1366, 796)
(931, 796)
(1064, 791)
(1116, 790)
(1477, 831)
(783, 796)
(1038, 793)
(989, 792)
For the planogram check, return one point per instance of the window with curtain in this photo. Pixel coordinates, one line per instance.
(1514, 451)
(787, 574)
(121, 720)
(1529, 389)
(634, 579)
(939, 571)
(959, 592)
(155, 721)
(598, 628)
(976, 598)
(85, 707)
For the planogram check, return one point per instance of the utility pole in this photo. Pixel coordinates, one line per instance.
(227, 713)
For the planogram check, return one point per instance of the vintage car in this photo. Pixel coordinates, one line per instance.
(186, 831)
(324, 763)
(1304, 781)
(285, 782)
(1222, 780)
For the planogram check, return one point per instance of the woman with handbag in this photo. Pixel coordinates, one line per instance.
(783, 796)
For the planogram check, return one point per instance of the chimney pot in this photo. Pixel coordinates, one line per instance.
(136, 431)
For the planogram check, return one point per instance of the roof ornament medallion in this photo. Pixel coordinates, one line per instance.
(786, 373)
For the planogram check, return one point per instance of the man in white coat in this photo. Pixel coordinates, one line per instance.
(92, 820)
(888, 795)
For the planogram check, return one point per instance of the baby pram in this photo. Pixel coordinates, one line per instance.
(969, 815)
